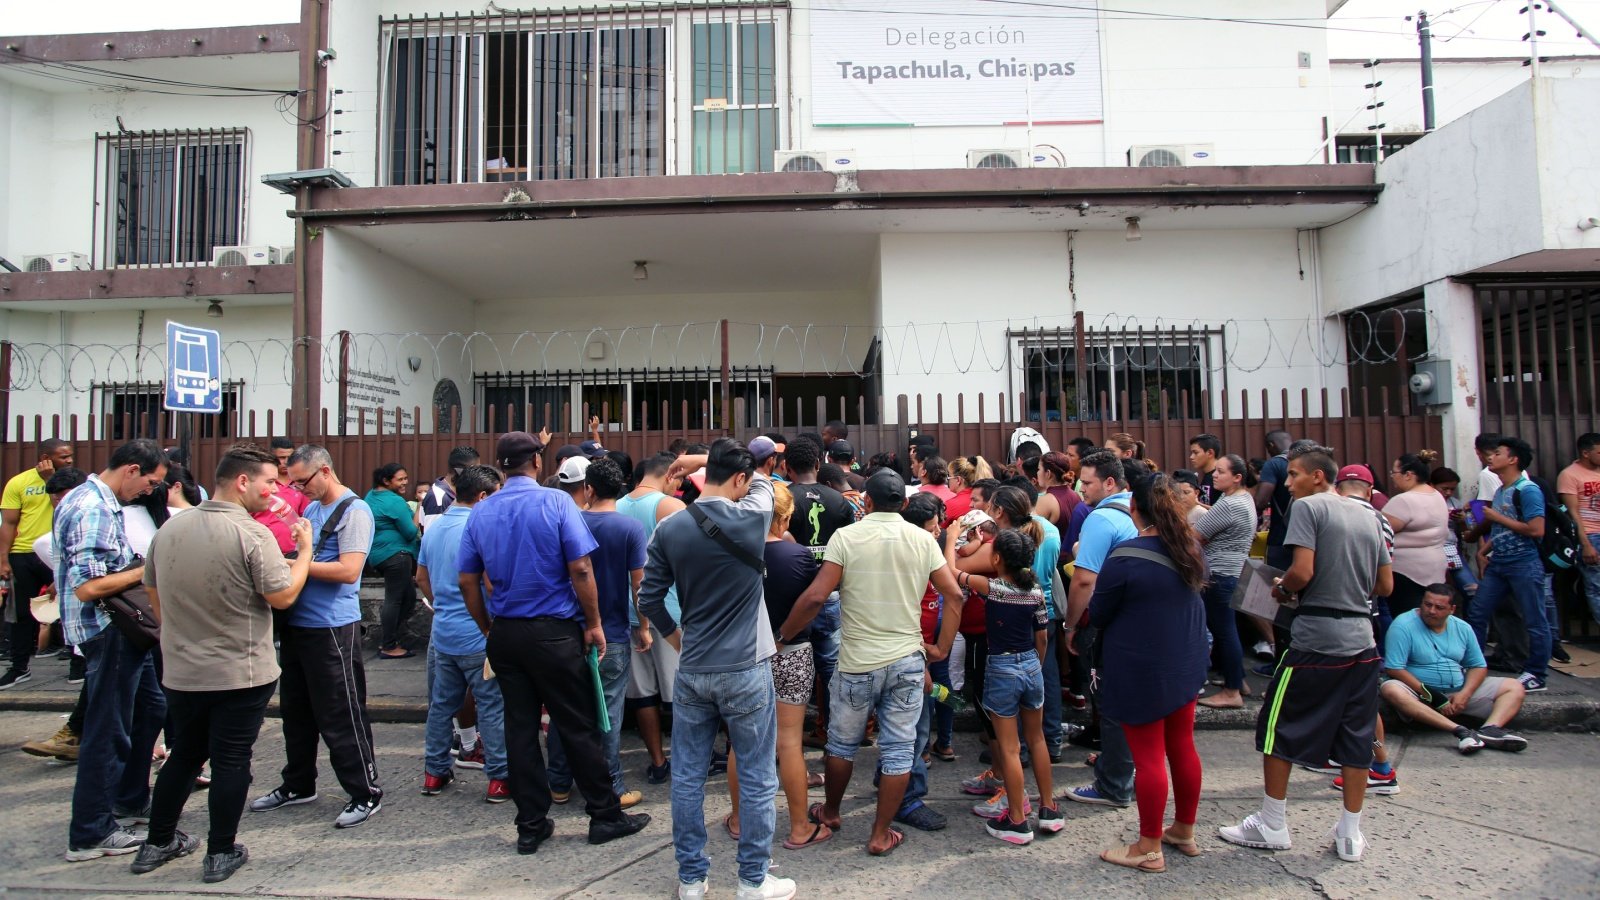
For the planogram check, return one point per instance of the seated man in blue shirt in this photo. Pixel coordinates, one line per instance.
(1436, 676)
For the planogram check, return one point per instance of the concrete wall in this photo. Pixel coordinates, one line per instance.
(353, 32)
(1567, 131)
(1466, 196)
(51, 175)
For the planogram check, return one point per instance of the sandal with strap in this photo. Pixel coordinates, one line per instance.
(1188, 848)
(1130, 857)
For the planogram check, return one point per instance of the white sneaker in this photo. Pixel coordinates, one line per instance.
(1262, 650)
(771, 888)
(692, 890)
(1350, 848)
(1253, 832)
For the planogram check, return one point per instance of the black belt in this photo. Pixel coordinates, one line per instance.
(1323, 612)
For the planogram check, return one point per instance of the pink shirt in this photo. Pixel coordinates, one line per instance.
(1419, 546)
(1584, 483)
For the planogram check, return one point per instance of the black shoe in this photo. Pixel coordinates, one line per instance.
(1559, 653)
(1496, 738)
(152, 857)
(221, 866)
(77, 670)
(528, 844)
(659, 774)
(630, 823)
(1055, 754)
(922, 817)
(12, 678)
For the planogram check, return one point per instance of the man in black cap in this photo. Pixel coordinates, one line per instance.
(531, 543)
(843, 455)
(881, 567)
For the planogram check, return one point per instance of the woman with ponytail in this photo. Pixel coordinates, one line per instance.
(1016, 622)
(1152, 663)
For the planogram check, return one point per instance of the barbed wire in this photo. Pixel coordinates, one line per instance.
(977, 347)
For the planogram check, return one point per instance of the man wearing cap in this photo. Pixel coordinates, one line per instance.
(881, 567)
(768, 453)
(843, 455)
(570, 476)
(1356, 484)
(1323, 700)
(714, 553)
(531, 544)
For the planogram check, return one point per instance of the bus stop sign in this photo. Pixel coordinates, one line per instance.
(194, 370)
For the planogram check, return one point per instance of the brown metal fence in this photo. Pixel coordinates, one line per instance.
(978, 425)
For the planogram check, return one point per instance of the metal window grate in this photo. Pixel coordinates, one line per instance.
(168, 198)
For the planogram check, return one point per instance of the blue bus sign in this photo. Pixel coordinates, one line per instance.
(194, 370)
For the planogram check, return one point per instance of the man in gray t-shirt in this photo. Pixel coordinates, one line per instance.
(1322, 704)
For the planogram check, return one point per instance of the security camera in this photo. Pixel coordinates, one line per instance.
(1421, 383)
(326, 56)
(1588, 222)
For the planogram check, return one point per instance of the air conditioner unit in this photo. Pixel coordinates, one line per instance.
(285, 254)
(814, 161)
(999, 159)
(244, 256)
(1158, 155)
(56, 262)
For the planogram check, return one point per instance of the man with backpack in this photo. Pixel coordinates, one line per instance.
(323, 690)
(1512, 560)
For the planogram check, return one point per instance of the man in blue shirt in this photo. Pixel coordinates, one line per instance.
(323, 690)
(531, 545)
(1437, 674)
(456, 650)
(1105, 487)
(1510, 558)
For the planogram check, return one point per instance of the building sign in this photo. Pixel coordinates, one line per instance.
(194, 370)
(955, 62)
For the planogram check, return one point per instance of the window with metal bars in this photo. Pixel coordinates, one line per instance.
(1059, 386)
(169, 197)
(735, 97)
(634, 399)
(135, 409)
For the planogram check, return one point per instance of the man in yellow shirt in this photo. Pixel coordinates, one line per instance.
(25, 516)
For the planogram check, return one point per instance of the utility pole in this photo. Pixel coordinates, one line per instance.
(1425, 38)
(1532, 37)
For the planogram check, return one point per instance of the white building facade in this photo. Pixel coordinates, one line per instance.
(801, 200)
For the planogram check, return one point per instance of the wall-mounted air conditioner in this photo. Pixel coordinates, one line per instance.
(255, 255)
(55, 262)
(814, 161)
(285, 254)
(1158, 155)
(999, 159)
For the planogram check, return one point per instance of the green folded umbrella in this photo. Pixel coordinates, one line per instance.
(599, 689)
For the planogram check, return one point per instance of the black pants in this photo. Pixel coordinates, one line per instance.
(1406, 596)
(540, 662)
(29, 576)
(220, 726)
(399, 595)
(323, 692)
(977, 666)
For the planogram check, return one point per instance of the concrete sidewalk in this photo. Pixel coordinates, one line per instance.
(397, 692)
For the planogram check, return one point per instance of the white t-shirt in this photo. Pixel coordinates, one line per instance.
(1488, 485)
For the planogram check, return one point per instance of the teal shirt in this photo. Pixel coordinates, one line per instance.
(393, 528)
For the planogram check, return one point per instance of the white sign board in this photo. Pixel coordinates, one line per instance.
(954, 62)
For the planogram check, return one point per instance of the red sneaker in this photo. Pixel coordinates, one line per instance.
(471, 759)
(433, 784)
(499, 791)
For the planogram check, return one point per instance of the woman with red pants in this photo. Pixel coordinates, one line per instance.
(1152, 664)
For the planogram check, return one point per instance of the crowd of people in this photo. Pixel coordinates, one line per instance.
(740, 586)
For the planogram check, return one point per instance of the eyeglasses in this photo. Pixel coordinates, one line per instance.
(303, 483)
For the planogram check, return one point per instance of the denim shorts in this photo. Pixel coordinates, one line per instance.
(894, 692)
(1013, 681)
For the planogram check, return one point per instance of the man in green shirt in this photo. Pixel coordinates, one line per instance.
(26, 515)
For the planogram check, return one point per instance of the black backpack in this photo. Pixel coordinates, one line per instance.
(1560, 548)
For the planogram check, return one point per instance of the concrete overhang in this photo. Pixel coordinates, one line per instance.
(1583, 260)
(114, 46)
(45, 291)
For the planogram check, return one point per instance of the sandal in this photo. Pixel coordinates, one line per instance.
(727, 825)
(1212, 702)
(817, 837)
(814, 813)
(896, 838)
(944, 752)
(814, 780)
(1188, 848)
(1130, 857)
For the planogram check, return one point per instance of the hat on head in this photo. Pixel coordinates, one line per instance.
(762, 448)
(841, 450)
(567, 451)
(1356, 473)
(515, 448)
(592, 449)
(886, 488)
(573, 470)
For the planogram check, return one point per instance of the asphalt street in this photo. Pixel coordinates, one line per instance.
(1491, 824)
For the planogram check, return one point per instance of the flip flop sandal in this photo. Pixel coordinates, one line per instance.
(1187, 848)
(814, 814)
(814, 780)
(727, 825)
(1091, 759)
(817, 837)
(896, 838)
(1128, 857)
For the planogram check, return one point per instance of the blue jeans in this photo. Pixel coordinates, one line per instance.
(1591, 580)
(1523, 582)
(944, 716)
(124, 711)
(614, 668)
(895, 693)
(1465, 582)
(746, 702)
(917, 787)
(1052, 687)
(1224, 630)
(825, 650)
(449, 679)
(1113, 768)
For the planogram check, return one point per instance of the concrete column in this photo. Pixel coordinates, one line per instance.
(1453, 324)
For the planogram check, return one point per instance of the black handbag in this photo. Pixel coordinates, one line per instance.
(131, 613)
